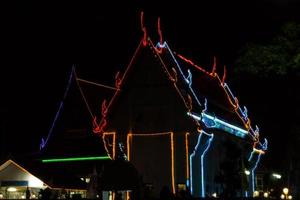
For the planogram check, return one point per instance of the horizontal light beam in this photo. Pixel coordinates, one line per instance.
(75, 159)
(224, 123)
(240, 132)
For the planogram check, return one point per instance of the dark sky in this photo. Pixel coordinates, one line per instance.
(40, 41)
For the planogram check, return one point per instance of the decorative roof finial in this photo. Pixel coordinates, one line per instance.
(224, 75)
(213, 71)
(118, 80)
(159, 32)
(143, 29)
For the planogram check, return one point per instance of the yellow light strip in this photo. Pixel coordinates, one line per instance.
(259, 151)
(113, 134)
(129, 138)
(129, 135)
(173, 173)
(187, 156)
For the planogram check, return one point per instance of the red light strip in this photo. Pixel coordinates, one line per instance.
(194, 65)
(143, 29)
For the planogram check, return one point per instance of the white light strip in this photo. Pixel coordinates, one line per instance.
(218, 121)
(224, 123)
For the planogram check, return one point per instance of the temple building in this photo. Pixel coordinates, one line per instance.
(166, 124)
(181, 125)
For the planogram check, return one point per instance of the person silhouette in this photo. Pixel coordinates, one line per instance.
(27, 193)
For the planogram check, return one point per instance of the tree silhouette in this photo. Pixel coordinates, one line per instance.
(273, 69)
(280, 55)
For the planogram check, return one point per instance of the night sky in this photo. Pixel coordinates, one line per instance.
(40, 42)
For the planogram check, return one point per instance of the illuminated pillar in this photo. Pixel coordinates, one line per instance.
(254, 158)
(197, 160)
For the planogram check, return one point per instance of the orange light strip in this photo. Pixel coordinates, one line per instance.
(113, 134)
(103, 120)
(127, 195)
(129, 139)
(82, 94)
(187, 156)
(173, 170)
(129, 136)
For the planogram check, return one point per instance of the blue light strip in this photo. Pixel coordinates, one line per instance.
(246, 193)
(165, 45)
(191, 172)
(264, 147)
(191, 164)
(44, 142)
(253, 171)
(202, 162)
(214, 122)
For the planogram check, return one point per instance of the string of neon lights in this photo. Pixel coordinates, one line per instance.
(187, 158)
(229, 127)
(83, 96)
(168, 74)
(75, 159)
(43, 141)
(202, 164)
(207, 146)
(232, 99)
(188, 79)
(253, 171)
(259, 152)
(129, 141)
(179, 68)
(94, 83)
(243, 116)
(143, 29)
(103, 120)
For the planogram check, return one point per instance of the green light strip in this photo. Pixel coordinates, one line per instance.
(75, 159)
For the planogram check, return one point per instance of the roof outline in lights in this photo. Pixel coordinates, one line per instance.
(75, 80)
(242, 114)
(98, 128)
